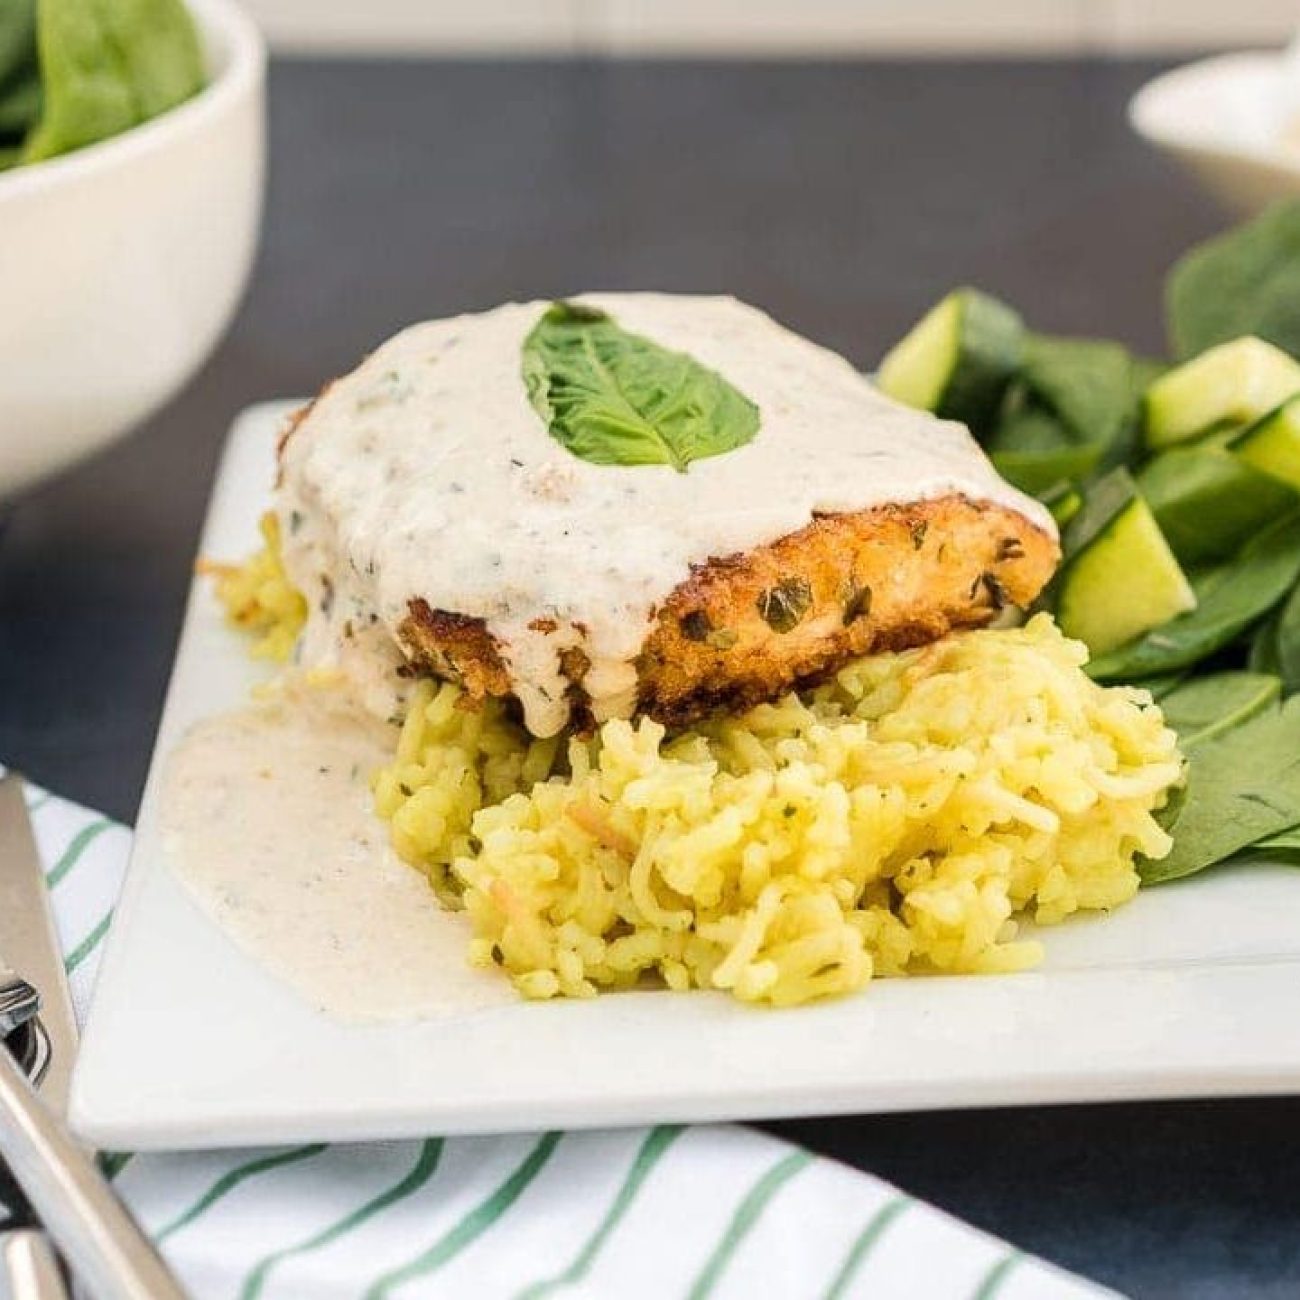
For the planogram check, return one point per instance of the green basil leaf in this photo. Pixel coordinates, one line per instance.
(109, 65)
(1246, 281)
(1242, 788)
(615, 398)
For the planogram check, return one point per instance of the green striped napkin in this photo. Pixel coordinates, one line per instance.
(716, 1211)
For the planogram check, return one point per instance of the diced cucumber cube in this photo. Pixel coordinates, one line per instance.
(957, 360)
(1272, 445)
(1120, 577)
(1231, 384)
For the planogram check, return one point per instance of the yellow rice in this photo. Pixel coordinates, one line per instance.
(258, 597)
(900, 819)
(905, 817)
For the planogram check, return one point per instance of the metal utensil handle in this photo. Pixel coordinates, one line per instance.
(29, 1267)
(78, 1208)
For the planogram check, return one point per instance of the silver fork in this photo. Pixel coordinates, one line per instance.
(30, 1268)
(74, 1202)
(27, 1264)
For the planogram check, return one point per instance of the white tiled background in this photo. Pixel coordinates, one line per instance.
(773, 27)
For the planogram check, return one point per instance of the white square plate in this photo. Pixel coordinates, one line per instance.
(1188, 991)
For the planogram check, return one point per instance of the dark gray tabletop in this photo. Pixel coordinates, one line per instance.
(844, 198)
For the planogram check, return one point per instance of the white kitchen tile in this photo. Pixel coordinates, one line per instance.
(776, 28)
(835, 27)
(416, 27)
(1157, 26)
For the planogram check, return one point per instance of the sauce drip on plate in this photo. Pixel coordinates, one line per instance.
(268, 822)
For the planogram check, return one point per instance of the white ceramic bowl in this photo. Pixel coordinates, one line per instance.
(1225, 118)
(121, 264)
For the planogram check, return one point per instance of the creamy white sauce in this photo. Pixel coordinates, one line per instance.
(427, 473)
(267, 820)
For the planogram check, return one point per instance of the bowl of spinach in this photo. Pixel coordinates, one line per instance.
(131, 177)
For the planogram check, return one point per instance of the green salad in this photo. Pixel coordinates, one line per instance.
(73, 72)
(1177, 487)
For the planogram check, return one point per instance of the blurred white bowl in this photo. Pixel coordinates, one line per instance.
(121, 264)
(1232, 120)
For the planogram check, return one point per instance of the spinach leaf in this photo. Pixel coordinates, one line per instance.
(1287, 642)
(1283, 842)
(1261, 655)
(1024, 424)
(1088, 383)
(20, 78)
(1205, 707)
(1146, 370)
(1034, 451)
(1064, 500)
(20, 106)
(1103, 500)
(615, 398)
(1230, 598)
(1208, 502)
(108, 65)
(17, 39)
(1246, 281)
(1161, 685)
(1242, 787)
(1072, 412)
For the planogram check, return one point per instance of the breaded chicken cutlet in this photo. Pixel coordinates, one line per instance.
(492, 499)
(743, 628)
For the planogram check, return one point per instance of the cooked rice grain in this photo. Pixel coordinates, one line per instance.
(258, 597)
(902, 818)
(451, 762)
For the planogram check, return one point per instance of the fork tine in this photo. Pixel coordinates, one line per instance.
(30, 1269)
